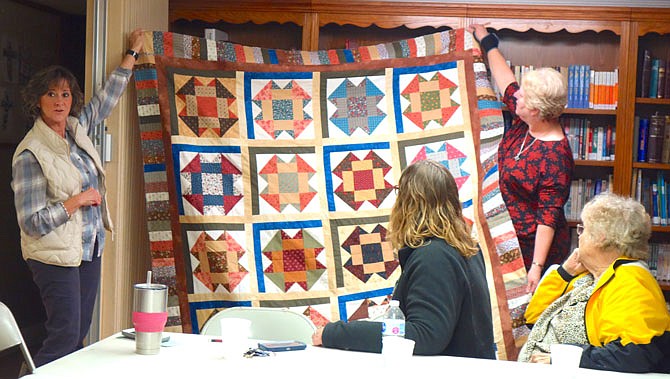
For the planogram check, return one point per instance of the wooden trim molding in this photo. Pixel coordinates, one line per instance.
(260, 11)
(242, 16)
(549, 25)
(624, 124)
(389, 21)
(549, 12)
(310, 32)
(126, 258)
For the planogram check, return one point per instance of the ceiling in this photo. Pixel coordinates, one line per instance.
(76, 7)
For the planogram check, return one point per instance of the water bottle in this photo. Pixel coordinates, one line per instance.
(393, 323)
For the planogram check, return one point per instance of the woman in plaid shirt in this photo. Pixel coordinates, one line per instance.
(59, 193)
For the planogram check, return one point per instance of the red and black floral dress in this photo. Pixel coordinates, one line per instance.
(535, 186)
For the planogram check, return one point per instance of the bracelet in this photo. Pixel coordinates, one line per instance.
(537, 264)
(133, 53)
(489, 42)
(65, 209)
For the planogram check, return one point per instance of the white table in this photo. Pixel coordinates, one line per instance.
(194, 356)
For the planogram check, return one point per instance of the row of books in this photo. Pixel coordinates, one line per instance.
(659, 261)
(592, 89)
(652, 136)
(587, 88)
(655, 81)
(589, 141)
(581, 191)
(652, 189)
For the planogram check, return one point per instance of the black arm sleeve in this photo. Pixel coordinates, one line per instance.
(354, 335)
(651, 357)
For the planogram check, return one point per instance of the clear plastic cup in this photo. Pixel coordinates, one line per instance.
(235, 337)
(565, 359)
(396, 349)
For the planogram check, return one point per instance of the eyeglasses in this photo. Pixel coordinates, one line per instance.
(580, 229)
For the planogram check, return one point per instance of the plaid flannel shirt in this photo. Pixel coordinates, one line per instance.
(35, 216)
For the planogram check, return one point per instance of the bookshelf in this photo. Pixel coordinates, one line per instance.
(650, 34)
(605, 38)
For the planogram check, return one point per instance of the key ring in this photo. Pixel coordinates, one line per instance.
(257, 353)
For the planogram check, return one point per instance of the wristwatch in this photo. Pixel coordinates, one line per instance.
(133, 53)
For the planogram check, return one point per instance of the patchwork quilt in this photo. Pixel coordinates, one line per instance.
(269, 173)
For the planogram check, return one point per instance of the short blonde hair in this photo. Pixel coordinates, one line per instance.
(545, 91)
(428, 206)
(618, 223)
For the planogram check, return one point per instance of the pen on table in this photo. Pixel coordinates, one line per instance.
(216, 340)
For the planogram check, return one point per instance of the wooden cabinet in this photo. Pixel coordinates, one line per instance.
(605, 38)
(650, 31)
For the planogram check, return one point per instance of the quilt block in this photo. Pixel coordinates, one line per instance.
(269, 173)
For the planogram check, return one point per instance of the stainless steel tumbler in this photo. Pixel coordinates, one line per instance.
(149, 316)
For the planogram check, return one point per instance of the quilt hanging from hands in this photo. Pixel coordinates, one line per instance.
(269, 173)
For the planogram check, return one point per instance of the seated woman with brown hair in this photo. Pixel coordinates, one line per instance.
(442, 287)
(605, 284)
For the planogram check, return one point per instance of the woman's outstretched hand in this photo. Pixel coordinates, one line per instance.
(135, 40)
(478, 30)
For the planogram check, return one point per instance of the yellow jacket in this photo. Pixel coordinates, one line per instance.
(627, 322)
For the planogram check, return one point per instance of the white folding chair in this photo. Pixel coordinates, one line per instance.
(270, 324)
(10, 336)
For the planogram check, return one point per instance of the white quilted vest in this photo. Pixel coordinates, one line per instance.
(63, 245)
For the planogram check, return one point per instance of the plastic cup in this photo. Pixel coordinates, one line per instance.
(149, 316)
(235, 337)
(395, 349)
(565, 359)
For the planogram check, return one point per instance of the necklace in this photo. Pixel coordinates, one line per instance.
(522, 149)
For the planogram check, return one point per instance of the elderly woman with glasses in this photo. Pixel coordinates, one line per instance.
(603, 297)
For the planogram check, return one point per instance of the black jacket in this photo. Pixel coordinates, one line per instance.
(445, 299)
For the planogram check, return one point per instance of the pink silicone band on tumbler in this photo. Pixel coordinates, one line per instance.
(149, 322)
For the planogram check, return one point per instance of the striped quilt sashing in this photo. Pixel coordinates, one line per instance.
(269, 173)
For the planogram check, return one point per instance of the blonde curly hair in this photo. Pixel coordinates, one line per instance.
(618, 223)
(544, 90)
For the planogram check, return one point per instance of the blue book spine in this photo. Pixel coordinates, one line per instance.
(586, 84)
(653, 82)
(643, 139)
(571, 86)
(580, 86)
(663, 207)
